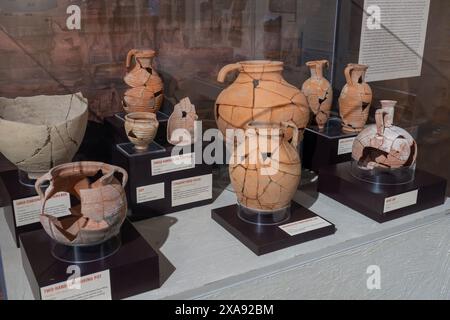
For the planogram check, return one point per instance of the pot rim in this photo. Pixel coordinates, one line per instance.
(141, 117)
(84, 107)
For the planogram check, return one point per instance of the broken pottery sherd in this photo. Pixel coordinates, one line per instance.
(180, 126)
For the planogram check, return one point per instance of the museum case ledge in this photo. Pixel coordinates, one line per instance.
(205, 261)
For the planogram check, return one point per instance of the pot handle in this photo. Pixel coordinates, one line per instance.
(348, 74)
(379, 119)
(130, 55)
(226, 70)
(295, 134)
(43, 195)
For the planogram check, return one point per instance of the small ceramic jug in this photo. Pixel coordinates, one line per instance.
(141, 128)
(318, 92)
(355, 99)
(143, 75)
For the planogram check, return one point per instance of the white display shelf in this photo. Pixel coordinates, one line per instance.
(202, 260)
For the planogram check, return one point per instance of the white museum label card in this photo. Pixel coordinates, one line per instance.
(150, 193)
(96, 286)
(190, 190)
(400, 201)
(303, 226)
(393, 38)
(27, 210)
(173, 164)
(345, 145)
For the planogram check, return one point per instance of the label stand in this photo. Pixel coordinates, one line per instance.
(302, 225)
(382, 202)
(132, 270)
(326, 147)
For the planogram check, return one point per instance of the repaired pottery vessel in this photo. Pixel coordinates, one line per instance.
(355, 99)
(265, 167)
(180, 126)
(141, 128)
(259, 93)
(37, 133)
(384, 145)
(102, 204)
(318, 92)
(146, 82)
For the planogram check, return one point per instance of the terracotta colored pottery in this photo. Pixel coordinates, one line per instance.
(37, 133)
(384, 145)
(355, 99)
(259, 93)
(102, 204)
(145, 81)
(318, 92)
(265, 167)
(180, 127)
(139, 100)
(141, 128)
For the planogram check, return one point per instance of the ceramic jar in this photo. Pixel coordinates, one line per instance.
(37, 133)
(355, 99)
(259, 93)
(265, 167)
(384, 145)
(318, 92)
(102, 204)
(181, 123)
(141, 128)
(145, 82)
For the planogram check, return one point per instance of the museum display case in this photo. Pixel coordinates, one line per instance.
(113, 112)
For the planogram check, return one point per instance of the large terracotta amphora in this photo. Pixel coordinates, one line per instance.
(265, 167)
(355, 99)
(318, 92)
(259, 93)
(143, 78)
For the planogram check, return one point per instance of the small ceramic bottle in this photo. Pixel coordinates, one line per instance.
(318, 92)
(355, 99)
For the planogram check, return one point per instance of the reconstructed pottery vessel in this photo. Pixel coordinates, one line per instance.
(355, 99)
(318, 92)
(147, 93)
(384, 145)
(265, 167)
(37, 133)
(259, 93)
(139, 100)
(180, 127)
(141, 128)
(102, 204)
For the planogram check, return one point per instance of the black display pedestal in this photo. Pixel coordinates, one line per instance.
(382, 202)
(262, 239)
(133, 268)
(157, 185)
(16, 192)
(326, 147)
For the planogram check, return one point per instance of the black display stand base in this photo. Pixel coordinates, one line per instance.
(326, 147)
(378, 201)
(133, 268)
(152, 194)
(17, 191)
(262, 239)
